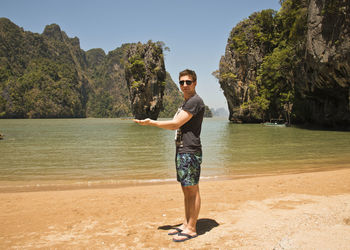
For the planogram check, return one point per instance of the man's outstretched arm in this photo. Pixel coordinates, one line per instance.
(173, 124)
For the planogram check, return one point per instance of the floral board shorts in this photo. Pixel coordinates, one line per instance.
(188, 168)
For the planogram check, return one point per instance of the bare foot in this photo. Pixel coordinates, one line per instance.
(176, 230)
(185, 235)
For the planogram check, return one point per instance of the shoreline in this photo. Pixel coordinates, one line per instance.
(64, 185)
(288, 211)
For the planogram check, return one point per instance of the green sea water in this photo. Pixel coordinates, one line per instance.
(112, 151)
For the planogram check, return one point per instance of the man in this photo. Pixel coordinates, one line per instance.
(188, 123)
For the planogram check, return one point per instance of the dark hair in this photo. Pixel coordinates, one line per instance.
(188, 72)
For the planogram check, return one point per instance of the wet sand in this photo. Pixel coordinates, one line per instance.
(294, 211)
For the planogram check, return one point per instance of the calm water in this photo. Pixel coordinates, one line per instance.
(115, 151)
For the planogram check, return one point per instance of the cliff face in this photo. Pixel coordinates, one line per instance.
(325, 92)
(239, 67)
(292, 64)
(109, 95)
(49, 75)
(128, 81)
(145, 75)
(41, 75)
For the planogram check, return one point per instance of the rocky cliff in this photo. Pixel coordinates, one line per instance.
(41, 75)
(239, 67)
(145, 75)
(109, 95)
(325, 91)
(49, 75)
(291, 64)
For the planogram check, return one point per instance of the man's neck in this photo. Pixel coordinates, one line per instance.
(188, 96)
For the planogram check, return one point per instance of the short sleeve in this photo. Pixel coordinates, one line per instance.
(192, 106)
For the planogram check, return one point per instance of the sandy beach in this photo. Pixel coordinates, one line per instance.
(294, 211)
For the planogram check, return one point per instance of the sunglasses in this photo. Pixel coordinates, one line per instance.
(188, 82)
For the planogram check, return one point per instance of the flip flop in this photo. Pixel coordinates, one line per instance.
(178, 230)
(188, 237)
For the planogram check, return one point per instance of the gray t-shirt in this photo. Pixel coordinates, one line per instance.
(188, 136)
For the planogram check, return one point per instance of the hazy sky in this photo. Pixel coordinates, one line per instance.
(196, 31)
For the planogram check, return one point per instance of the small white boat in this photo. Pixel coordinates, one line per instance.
(276, 123)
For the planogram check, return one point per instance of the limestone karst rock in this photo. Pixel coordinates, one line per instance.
(293, 62)
(49, 75)
(145, 75)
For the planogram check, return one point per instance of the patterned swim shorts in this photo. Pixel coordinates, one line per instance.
(188, 168)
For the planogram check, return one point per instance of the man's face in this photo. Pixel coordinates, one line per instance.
(187, 89)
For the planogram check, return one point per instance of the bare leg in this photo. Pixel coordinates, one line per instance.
(192, 206)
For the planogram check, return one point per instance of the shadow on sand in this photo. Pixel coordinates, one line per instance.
(203, 225)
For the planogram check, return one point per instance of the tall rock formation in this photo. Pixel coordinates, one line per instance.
(145, 75)
(293, 64)
(49, 75)
(41, 75)
(238, 69)
(325, 91)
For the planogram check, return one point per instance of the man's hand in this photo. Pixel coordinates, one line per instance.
(143, 122)
(175, 123)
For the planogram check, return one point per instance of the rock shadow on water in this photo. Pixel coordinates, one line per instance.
(340, 128)
(203, 225)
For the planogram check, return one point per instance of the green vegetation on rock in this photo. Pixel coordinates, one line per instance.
(290, 64)
(172, 98)
(48, 75)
